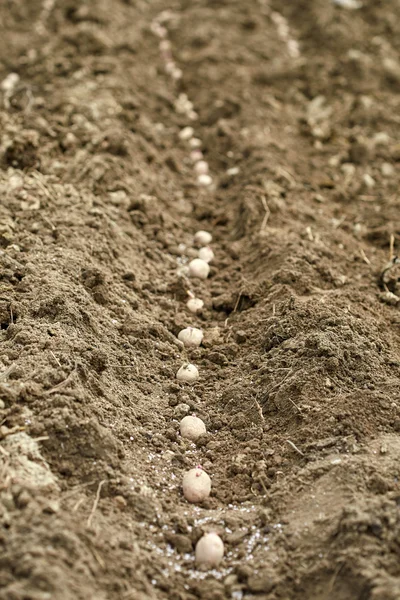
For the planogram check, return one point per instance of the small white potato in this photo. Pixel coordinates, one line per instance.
(209, 550)
(204, 180)
(195, 143)
(177, 74)
(202, 238)
(195, 305)
(165, 45)
(187, 373)
(196, 156)
(387, 169)
(233, 171)
(192, 428)
(170, 66)
(9, 83)
(199, 268)
(201, 167)
(206, 254)
(186, 133)
(191, 337)
(196, 485)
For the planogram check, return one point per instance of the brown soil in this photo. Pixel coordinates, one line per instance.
(300, 366)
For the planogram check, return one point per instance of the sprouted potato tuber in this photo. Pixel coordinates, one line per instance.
(191, 337)
(209, 550)
(195, 305)
(196, 485)
(187, 373)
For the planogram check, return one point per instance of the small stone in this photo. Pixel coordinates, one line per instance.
(241, 336)
(120, 502)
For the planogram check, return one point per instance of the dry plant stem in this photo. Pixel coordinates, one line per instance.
(295, 405)
(391, 247)
(364, 257)
(295, 447)
(3, 451)
(7, 372)
(96, 502)
(267, 214)
(16, 429)
(61, 384)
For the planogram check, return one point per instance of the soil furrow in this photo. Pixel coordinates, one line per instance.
(296, 109)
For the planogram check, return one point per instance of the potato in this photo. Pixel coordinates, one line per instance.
(206, 254)
(209, 550)
(199, 268)
(204, 180)
(196, 485)
(187, 373)
(195, 305)
(202, 238)
(191, 337)
(192, 428)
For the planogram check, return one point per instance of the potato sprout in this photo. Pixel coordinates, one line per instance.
(195, 305)
(196, 485)
(191, 337)
(202, 238)
(192, 428)
(199, 268)
(206, 254)
(187, 373)
(209, 550)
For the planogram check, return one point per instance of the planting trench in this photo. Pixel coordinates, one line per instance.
(299, 368)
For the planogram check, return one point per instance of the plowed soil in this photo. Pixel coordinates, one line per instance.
(298, 111)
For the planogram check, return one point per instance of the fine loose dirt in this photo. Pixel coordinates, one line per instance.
(298, 111)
